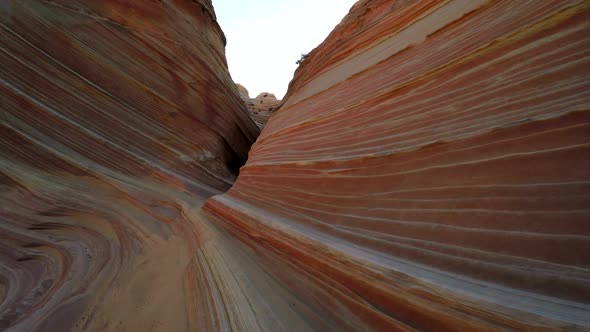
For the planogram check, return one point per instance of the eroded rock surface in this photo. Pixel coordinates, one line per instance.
(117, 119)
(261, 107)
(430, 169)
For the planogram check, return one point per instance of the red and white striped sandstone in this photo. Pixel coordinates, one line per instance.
(430, 169)
(117, 119)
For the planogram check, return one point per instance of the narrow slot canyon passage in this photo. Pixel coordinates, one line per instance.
(428, 169)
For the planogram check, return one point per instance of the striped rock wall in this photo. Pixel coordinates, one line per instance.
(429, 169)
(117, 119)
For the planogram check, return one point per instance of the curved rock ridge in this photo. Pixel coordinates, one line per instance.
(429, 169)
(117, 119)
(261, 107)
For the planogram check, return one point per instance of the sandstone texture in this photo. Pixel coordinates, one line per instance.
(261, 107)
(117, 119)
(429, 169)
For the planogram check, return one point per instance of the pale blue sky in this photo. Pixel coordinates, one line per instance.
(266, 37)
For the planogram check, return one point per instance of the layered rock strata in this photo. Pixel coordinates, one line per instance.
(117, 119)
(429, 169)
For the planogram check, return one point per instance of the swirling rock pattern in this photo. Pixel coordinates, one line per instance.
(429, 169)
(118, 118)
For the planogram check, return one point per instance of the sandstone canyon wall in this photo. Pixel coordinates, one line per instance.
(429, 169)
(118, 118)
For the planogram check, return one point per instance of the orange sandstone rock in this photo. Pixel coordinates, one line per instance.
(261, 107)
(117, 119)
(429, 169)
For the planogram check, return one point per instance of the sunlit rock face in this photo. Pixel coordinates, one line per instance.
(117, 119)
(261, 107)
(429, 169)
